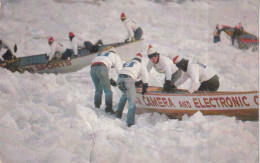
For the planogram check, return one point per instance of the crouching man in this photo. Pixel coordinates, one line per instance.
(202, 77)
(100, 68)
(130, 72)
(64, 53)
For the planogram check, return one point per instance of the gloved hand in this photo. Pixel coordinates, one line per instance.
(173, 87)
(132, 38)
(144, 88)
(139, 83)
(3, 63)
(113, 82)
(167, 85)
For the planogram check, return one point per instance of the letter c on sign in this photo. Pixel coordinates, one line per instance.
(243, 99)
(256, 99)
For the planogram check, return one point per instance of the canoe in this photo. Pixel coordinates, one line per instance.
(174, 104)
(40, 64)
(245, 41)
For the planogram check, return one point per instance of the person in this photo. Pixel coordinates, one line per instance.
(202, 77)
(238, 31)
(77, 42)
(163, 64)
(8, 50)
(135, 32)
(217, 34)
(127, 77)
(100, 68)
(64, 53)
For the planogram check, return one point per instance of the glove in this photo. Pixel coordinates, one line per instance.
(139, 83)
(113, 82)
(144, 88)
(173, 86)
(133, 39)
(167, 85)
(3, 63)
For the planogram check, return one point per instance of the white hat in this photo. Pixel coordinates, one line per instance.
(177, 59)
(151, 50)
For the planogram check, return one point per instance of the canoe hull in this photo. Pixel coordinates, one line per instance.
(242, 105)
(125, 51)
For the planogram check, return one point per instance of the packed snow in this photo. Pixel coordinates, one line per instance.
(52, 118)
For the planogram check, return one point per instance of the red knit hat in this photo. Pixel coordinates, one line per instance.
(51, 40)
(123, 16)
(177, 59)
(71, 34)
(139, 55)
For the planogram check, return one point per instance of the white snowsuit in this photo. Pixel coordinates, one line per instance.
(56, 47)
(6, 44)
(110, 59)
(76, 43)
(136, 70)
(165, 65)
(198, 73)
(131, 26)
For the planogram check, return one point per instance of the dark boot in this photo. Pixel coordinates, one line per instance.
(119, 114)
(109, 110)
(99, 43)
(129, 125)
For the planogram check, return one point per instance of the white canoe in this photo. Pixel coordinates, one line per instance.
(40, 64)
(242, 105)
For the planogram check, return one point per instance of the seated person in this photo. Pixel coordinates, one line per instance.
(8, 50)
(77, 42)
(64, 53)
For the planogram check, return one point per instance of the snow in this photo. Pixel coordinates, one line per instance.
(52, 118)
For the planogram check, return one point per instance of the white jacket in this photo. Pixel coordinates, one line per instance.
(8, 45)
(131, 26)
(165, 65)
(56, 47)
(76, 43)
(198, 73)
(136, 70)
(110, 59)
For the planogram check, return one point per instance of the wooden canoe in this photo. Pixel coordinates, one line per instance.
(242, 105)
(40, 63)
